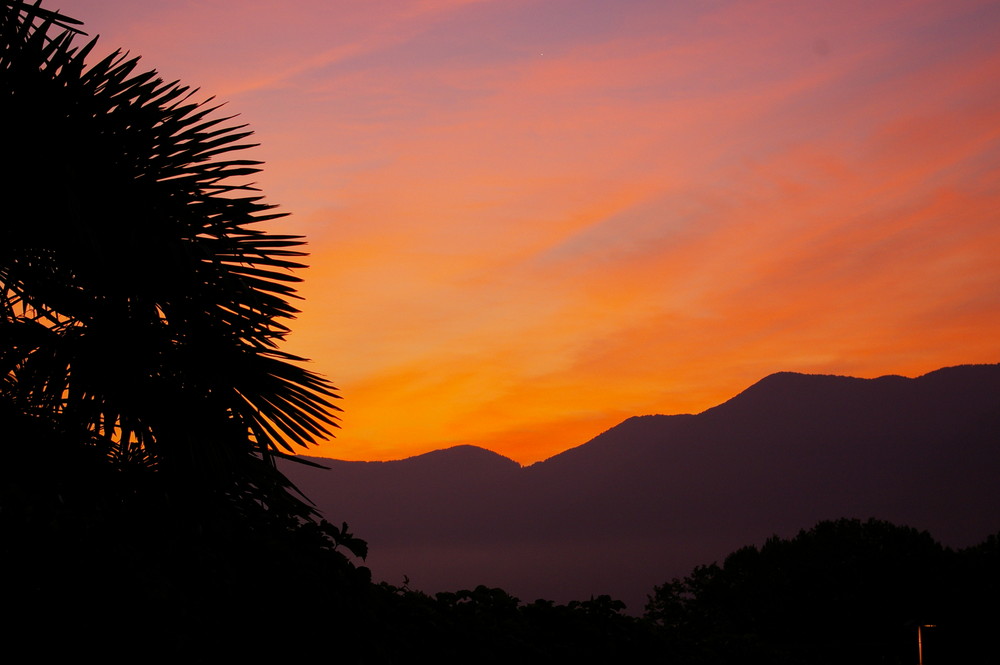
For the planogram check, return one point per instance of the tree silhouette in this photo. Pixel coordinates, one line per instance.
(843, 591)
(143, 394)
(142, 300)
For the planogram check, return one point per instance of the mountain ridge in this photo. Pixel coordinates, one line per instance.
(650, 498)
(774, 376)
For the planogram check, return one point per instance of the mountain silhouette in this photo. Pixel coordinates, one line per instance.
(656, 495)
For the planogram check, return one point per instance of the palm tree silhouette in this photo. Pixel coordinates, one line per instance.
(142, 298)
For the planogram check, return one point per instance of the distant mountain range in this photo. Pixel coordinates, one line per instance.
(656, 495)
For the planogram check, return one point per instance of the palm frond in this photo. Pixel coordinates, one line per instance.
(142, 298)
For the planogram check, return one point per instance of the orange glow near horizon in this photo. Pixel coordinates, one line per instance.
(529, 220)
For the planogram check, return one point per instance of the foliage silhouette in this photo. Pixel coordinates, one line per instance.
(143, 394)
(487, 625)
(141, 302)
(843, 591)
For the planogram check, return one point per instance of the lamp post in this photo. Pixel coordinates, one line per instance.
(920, 641)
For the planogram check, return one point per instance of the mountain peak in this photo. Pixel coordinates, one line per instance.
(462, 455)
(783, 389)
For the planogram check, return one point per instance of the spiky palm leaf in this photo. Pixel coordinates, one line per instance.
(140, 300)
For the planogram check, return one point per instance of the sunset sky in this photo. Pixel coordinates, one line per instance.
(531, 219)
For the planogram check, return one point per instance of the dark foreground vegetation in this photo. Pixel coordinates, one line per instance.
(139, 583)
(143, 400)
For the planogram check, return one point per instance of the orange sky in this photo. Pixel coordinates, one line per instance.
(529, 220)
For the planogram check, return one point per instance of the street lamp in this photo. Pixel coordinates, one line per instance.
(920, 640)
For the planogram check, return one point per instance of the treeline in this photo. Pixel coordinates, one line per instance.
(148, 588)
(843, 591)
